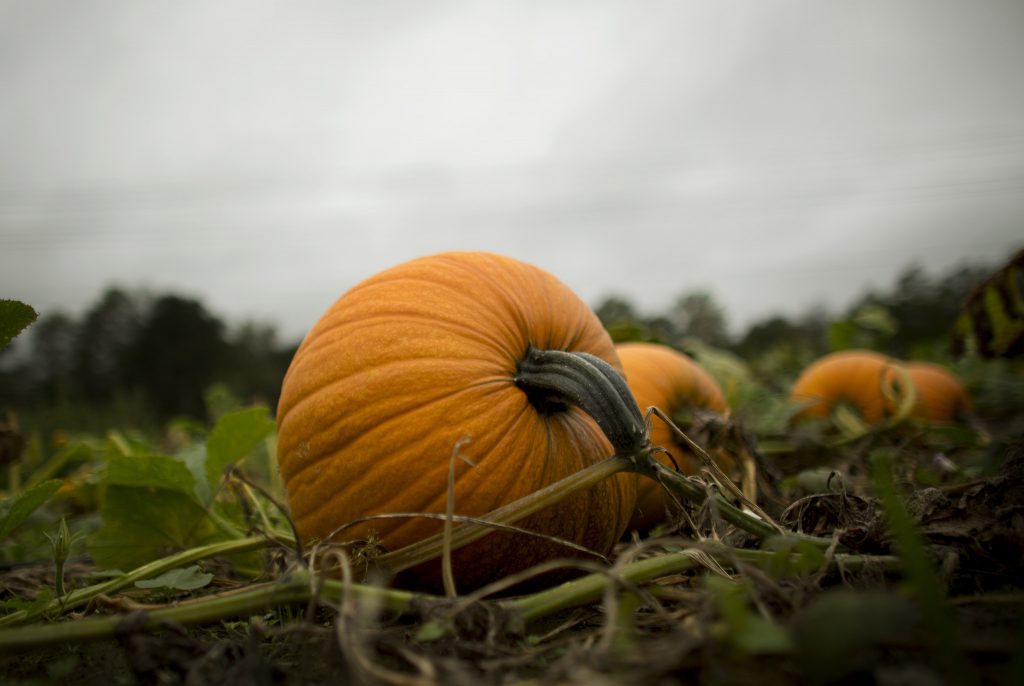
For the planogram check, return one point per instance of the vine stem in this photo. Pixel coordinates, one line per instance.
(644, 463)
(301, 586)
(296, 588)
(464, 534)
(590, 588)
(81, 596)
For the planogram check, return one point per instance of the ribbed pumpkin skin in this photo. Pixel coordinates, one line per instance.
(940, 395)
(409, 362)
(671, 381)
(851, 376)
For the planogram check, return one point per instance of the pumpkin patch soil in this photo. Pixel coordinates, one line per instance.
(842, 627)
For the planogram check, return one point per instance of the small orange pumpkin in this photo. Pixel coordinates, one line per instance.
(870, 382)
(855, 377)
(671, 381)
(412, 360)
(940, 395)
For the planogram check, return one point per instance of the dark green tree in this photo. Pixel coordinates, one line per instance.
(698, 315)
(779, 345)
(105, 335)
(925, 308)
(52, 360)
(615, 310)
(257, 363)
(180, 349)
(624, 323)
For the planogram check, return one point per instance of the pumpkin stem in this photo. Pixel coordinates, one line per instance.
(554, 379)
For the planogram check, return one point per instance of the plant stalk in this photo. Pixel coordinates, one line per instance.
(296, 588)
(81, 596)
(463, 534)
(590, 588)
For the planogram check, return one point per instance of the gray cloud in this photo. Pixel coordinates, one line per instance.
(266, 157)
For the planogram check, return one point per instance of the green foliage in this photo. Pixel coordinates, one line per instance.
(17, 508)
(779, 347)
(182, 579)
(154, 504)
(739, 627)
(730, 371)
(14, 317)
(871, 326)
(922, 579)
(837, 633)
(41, 600)
(792, 556)
(625, 324)
(149, 509)
(235, 435)
(992, 319)
(71, 453)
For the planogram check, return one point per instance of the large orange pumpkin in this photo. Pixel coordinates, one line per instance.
(940, 395)
(673, 382)
(411, 361)
(855, 377)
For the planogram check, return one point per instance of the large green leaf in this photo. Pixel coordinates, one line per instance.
(16, 509)
(233, 437)
(150, 471)
(143, 524)
(150, 509)
(14, 317)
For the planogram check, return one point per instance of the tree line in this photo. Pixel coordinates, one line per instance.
(912, 319)
(159, 355)
(156, 356)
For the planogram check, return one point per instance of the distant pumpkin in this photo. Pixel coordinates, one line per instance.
(409, 362)
(871, 383)
(941, 397)
(855, 377)
(673, 382)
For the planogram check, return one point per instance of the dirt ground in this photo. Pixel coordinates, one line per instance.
(827, 627)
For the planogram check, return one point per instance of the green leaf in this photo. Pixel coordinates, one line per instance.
(194, 458)
(181, 579)
(62, 461)
(841, 335)
(14, 317)
(15, 510)
(143, 524)
(42, 599)
(793, 556)
(432, 630)
(876, 318)
(235, 436)
(849, 421)
(836, 631)
(922, 577)
(1006, 328)
(759, 636)
(812, 480)
(150, 509)
(731, 372)
(150, 471)
(746, 632)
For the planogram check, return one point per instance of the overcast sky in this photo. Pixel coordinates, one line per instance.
(266, 156)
